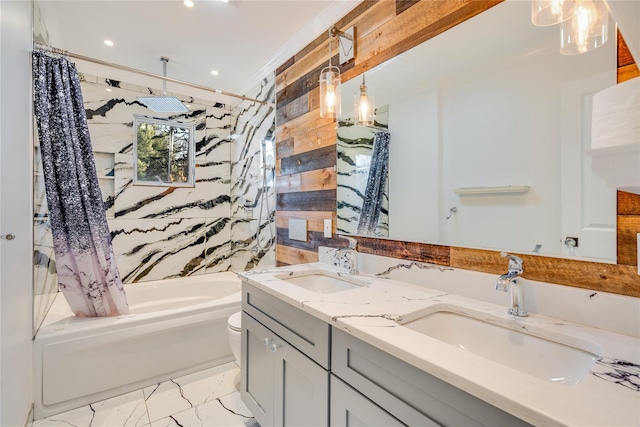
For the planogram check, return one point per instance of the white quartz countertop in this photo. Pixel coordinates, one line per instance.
(609, 395)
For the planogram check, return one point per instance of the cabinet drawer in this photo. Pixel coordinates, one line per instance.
(306, 333)
(408, 393)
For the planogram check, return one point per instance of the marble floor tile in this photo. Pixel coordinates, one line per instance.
(227, 411)
(126, 410)
(190, 391)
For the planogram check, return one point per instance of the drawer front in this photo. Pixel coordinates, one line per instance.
(306, 333)
(409, 394)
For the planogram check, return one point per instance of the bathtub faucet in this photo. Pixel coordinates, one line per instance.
(508, 281)
(352, 254)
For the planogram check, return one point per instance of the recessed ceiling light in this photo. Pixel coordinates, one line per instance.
(108, 89)
(188, 3)
(214, 72)
(108, 42)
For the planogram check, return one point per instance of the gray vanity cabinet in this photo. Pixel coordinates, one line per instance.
(411, 396)
(280, 385)
(299, 371)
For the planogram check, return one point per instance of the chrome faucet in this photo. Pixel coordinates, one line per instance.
(506, 281)
(352, 253)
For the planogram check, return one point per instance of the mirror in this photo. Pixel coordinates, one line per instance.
(490, 140)
(355, 150)
(163, 152)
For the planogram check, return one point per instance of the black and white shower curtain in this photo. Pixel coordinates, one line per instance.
(87, 273)
(374, 192)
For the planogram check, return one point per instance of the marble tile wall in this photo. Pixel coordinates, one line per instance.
(161, 232)
(253, 201)
(164, 232)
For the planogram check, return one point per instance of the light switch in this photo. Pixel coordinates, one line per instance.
(298, 229)
(327, 228)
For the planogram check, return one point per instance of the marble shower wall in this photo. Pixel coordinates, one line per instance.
(253, 201)
(163, 232)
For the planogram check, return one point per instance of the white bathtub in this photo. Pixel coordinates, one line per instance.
(177, 327)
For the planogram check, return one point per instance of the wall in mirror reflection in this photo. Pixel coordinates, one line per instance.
(355, 149)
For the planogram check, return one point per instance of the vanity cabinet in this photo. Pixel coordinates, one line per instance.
(407, 394)
(299, 371)
(280, 385)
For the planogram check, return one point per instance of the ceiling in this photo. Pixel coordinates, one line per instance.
(243, 40)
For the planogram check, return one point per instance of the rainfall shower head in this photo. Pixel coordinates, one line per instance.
(164, 103)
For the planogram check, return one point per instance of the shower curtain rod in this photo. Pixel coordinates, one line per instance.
(144, 73)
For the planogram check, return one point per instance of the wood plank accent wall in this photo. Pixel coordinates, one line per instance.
(627, 68)
(628, 227)
(305, 165)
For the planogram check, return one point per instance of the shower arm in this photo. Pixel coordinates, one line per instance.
(165, 61)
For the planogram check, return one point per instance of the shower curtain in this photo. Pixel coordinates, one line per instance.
(87, 273)
(376, 183)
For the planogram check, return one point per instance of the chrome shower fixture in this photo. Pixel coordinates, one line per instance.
(164, 103)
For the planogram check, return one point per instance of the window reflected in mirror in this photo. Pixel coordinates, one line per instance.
(163, 152)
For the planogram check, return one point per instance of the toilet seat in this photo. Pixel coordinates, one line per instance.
(234, 322)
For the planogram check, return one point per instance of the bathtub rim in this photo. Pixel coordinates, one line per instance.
(61, 321)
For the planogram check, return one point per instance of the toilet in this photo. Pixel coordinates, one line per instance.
(234, 330)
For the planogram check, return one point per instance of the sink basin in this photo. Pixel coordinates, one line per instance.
(322, 282)
(549, 359)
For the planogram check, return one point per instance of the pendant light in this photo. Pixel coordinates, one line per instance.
(551, 12)
(586, 29)
(364, 106)
(330, 105)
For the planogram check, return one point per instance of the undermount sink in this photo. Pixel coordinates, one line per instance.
(322, 282)
(560, 359)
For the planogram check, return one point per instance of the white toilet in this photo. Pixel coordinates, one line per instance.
(235, 332)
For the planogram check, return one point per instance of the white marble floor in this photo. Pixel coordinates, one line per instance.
(206, 398)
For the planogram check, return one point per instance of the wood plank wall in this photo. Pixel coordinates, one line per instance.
(628, 227)
(627, 68)
(306, 159)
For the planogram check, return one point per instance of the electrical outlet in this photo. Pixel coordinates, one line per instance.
(327, 228)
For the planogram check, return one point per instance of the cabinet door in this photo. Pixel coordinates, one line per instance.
(351, 409)
(301, 389)
(256, 388)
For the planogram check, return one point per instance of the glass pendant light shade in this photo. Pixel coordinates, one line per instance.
(587, 29)
(330, 82)
(551, 12)
(364, 106)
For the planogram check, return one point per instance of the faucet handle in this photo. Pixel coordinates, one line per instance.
(352, 242)
(515, 262)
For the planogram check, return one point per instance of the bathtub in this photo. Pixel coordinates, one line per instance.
(176, 327)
